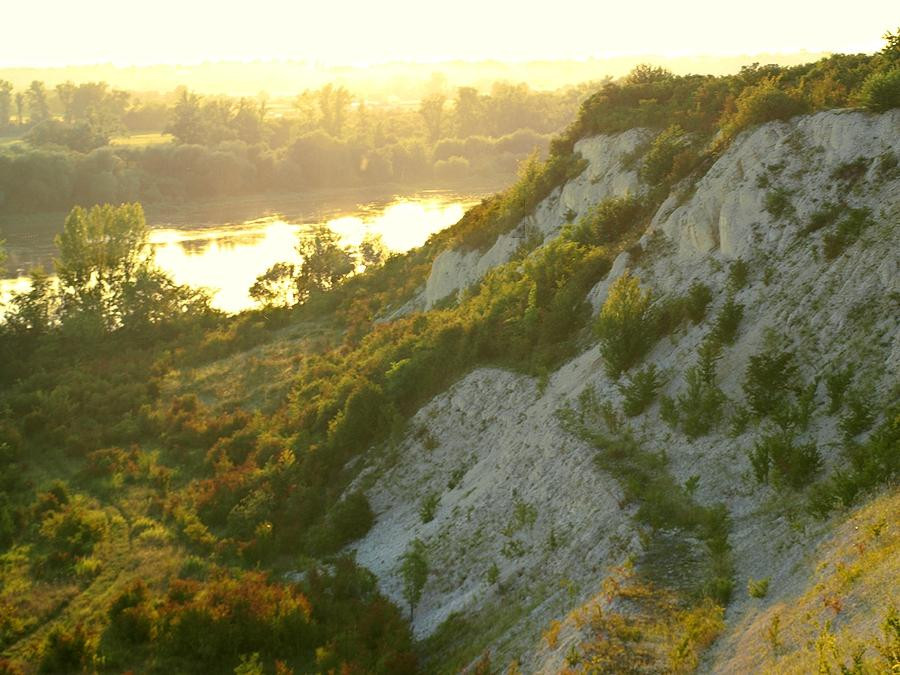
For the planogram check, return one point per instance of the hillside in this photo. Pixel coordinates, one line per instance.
(637, 413)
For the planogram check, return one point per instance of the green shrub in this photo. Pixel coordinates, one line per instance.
(881, 91)
(428, 507)
(640, 390)
(778, 203)
(624, 325)
(607, 221)
(823, 217)
(699, 297)
(768, 379)
(352, 517)
(852, 171)
(738, 273)
(699, 406)
(868, 465)
(777, 456)
(758, 588)
(836, 384)
(762, 103)
(66, 652)
(860, 415)
(728, 320)
(848, 231)
(657, 166)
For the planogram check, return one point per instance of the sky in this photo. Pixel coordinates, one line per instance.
(362, 32)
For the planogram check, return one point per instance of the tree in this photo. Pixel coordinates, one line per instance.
(414, 572)
(186, 125)
(5, 102)
(275, 287)
(469, 111)
(891, 49)
(372, 251)
(333, 102)
(625, 325)
(20, 107)
(432, 111)
(65, 92)
(38, 111)
(107, 278)
(325, 261)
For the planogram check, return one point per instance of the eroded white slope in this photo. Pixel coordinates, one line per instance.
(500, 430)
(454, 269)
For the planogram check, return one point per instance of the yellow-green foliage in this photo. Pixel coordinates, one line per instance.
(844, 618)
(633, 626)
(625, 325)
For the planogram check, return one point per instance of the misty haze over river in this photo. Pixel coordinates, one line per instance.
(205, 247)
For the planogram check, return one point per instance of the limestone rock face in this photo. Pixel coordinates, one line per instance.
(454, 270)
(516, 493)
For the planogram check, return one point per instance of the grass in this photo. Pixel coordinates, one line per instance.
(141, 140)
(839, 621)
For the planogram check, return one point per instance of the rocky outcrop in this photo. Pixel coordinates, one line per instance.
(454, 270)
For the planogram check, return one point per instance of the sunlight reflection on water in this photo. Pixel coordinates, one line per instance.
(228, 259)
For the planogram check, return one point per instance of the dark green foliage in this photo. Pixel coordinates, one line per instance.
(881, 91)
(640, 390)
(414, 573)
(351, 518)
(888, 166)
(867, 466)
(738, 273)
(728, 320)
(836, 384)
(849, 173)
(823, 217)
(769, 378)
(657, 166)
(699, 297)
(698, 407)
(779, 457)
(66, 652)
(778, 203)
(848, 231)
(860, 414)
(608, 221)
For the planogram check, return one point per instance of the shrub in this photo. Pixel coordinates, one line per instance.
(762, 103)
(700, 404)
(640, 390)
(848, 231)
(758, 588)
(870, 464)
(428, 507)
(859, 417)
(65, 652)
(768, 379)
(778, 203)
(777, 455)
(850, 172)
(699, 297)
(352, 517)
(823, 217)
(608, 221)
(881, 91)
(738, 272)
(658, 162)
(624, 325)
(728, 320)
(836, 384)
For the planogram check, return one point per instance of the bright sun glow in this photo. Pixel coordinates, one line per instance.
(357, 32)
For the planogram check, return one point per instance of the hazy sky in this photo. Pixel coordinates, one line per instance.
(124, 32)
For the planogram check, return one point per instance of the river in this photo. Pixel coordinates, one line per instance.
(200, 246)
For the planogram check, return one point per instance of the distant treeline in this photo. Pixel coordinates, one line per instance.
(323, 138)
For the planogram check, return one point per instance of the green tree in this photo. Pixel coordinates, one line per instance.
(469, 111)
(372, 251)
(325, 261)
(432, 111)
(275, 287)
(38, 110)
(625, 325)
(65, 92)
(414, 572)
(20, 107)
(5, 102)
(186, 125)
